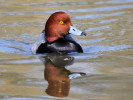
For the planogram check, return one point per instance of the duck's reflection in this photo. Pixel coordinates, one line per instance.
(57, 75)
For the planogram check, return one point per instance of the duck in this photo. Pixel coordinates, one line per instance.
(57, 36)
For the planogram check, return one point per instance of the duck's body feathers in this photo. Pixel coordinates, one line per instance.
(62, 45)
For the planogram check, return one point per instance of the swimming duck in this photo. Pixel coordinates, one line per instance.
(57, 36)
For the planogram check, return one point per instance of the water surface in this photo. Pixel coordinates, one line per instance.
(103, 72)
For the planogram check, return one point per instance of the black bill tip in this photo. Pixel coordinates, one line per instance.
(83, 33)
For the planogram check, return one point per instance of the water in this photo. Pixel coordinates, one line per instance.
(102, 72)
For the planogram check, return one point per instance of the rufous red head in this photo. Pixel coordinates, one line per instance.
(57, 26)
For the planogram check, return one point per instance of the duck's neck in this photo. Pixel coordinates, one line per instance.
(51, 39)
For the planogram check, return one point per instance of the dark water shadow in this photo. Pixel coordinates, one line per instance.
(57, 75)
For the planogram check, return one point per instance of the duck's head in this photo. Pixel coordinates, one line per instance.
(58, 25)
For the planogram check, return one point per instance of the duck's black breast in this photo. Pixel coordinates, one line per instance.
(59, 45)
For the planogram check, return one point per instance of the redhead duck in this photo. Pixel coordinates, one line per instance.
(57, 36)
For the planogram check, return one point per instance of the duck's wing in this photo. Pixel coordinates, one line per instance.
(39, 41)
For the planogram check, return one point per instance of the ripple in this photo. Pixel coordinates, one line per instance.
(7, 49)
(13, 46)
(97, 34)
(101, 48)
(3, 1)
(27, 13)
(92, 41)
(23, 24)
(108, 8)
(107, 21)
(56, 4)
(94, 16)
(22, 98)
(98, 28)
(114, 1)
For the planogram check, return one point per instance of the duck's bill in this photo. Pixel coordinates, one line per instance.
(75, 31)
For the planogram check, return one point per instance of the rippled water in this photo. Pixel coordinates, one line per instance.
(103, 72)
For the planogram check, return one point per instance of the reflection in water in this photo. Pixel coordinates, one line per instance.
(57, 75)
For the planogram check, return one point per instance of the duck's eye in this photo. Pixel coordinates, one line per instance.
(61, 22)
